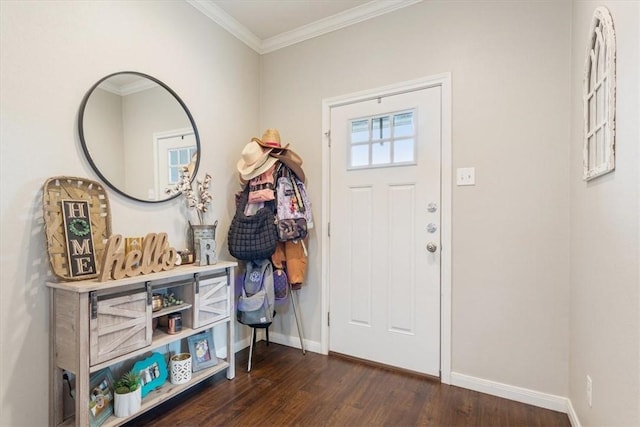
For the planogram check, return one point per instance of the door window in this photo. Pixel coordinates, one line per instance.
(385, 140)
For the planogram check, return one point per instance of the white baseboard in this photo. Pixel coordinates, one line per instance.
(294, 341)
(518, 394)
(573, 416)
(289, 341)
(242, 344)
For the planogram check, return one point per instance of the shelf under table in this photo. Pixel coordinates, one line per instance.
(162, 394)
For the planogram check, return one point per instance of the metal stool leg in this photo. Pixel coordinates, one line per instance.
(294, 295)
(253, 340)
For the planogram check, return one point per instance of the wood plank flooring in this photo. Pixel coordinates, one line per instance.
(286, 387)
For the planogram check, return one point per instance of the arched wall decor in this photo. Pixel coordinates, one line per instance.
(599, 96)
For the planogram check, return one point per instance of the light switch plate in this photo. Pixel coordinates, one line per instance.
(466, 176)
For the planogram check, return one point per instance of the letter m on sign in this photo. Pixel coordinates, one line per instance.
(79, 238)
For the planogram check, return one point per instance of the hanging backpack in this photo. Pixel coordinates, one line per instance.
(255, 305)
(290, 212)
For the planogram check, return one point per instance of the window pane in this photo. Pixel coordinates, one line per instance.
(600, 59)
(380, 128)
(403, 125)
(600, 105)
(403, 151)
(599, 152)
(360, 131)
(173, 157)
(591, 125)
(381, 153)
(592, 74)
(173, 175)
(359, 155)
(184, 157)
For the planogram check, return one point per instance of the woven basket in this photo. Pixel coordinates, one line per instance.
(61, 188)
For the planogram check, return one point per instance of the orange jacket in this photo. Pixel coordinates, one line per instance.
(291, 257)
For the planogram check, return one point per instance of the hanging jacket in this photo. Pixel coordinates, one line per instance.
(292, 257)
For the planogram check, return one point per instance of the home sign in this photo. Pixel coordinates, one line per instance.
(79, 238)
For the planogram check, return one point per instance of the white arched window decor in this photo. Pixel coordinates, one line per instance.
(599, 96)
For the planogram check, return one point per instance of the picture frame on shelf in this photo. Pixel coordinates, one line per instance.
(100, 397)
(153, 372)
(202, 349)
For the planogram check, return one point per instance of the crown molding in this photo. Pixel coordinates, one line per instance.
(128, 89)
(335, 22)
(228, 22)
(344, 19)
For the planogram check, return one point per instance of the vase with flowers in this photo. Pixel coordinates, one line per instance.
(198, 203)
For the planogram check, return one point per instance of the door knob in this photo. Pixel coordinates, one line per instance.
(432, 247)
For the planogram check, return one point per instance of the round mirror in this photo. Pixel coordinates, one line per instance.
(137, 135)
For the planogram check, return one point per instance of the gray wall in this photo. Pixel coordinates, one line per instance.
(51, 53)
(510, 66)
(605, 238)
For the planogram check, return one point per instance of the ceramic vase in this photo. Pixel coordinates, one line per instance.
(127, 404)
(180, 368)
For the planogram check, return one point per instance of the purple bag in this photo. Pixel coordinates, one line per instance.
(280, 285)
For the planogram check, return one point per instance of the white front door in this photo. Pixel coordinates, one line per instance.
(384, 282)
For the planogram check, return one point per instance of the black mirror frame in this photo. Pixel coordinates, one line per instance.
(85, 149)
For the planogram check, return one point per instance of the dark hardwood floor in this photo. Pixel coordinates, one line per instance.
(285, 387)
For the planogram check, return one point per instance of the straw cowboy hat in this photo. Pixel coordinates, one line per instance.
(271, 139)
(254, 161)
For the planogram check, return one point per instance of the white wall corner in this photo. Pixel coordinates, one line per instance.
(573, 416)
(518, 394)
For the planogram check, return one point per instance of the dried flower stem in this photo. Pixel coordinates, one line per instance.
(199, 202)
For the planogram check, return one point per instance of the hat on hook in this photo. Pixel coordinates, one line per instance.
(271, 139)
(291, 160)
(254, 161)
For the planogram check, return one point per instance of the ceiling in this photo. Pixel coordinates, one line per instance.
(268, 25)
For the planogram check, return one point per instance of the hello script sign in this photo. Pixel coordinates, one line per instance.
(156, 255)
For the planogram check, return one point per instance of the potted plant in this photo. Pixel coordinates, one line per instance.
(128, 394)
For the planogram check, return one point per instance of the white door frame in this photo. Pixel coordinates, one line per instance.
(157, 137)
(444, 81)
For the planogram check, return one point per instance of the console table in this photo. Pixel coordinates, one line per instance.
(95, 325)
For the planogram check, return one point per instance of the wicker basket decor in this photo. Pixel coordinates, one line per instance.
(61, 188)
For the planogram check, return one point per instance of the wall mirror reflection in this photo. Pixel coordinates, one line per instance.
(137, 134)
